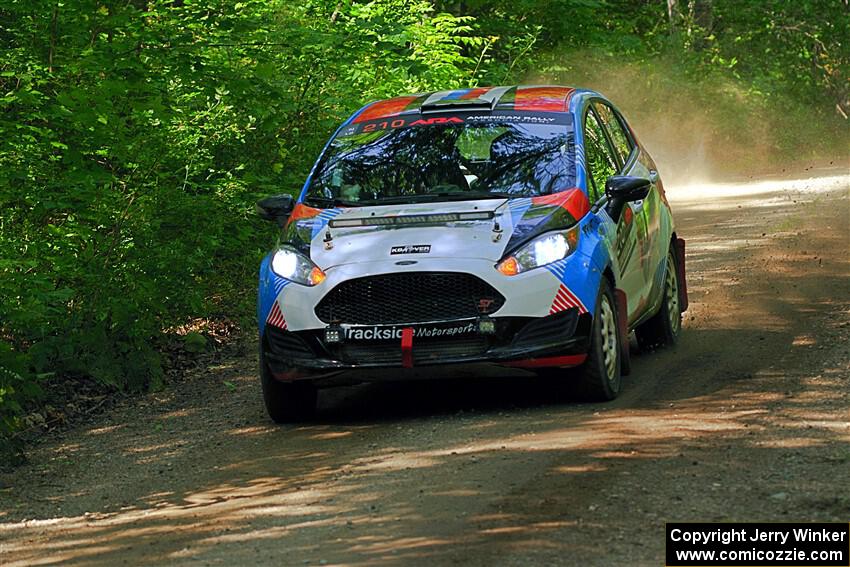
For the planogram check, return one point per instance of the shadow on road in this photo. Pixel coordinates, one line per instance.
(746, 419)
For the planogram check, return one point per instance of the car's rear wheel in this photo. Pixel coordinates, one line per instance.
(664, 327)
(287, 402)
(599, 377)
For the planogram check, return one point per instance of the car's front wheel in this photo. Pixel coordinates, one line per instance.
(599, 377)
(287, 402)
(663, 328)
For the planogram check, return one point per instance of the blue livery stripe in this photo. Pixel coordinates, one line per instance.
(269, 301)
(456, 94)
(322, 220)
(558, 269)
(517, 208)
(279, 284)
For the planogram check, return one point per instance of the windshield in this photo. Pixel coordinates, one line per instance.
(445, 159)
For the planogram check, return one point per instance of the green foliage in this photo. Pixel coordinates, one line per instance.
(135, 136)
(16, 386)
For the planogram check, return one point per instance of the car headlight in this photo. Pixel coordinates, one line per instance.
(296, 267)
(545, 249)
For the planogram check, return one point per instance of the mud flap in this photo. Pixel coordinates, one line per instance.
(623, 324)
(680, 267)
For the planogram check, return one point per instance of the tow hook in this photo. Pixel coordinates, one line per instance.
(497, 231)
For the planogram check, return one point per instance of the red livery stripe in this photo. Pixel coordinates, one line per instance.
(543, 99)
(575, 300)
(565, 299)
(386, 108)
(573, 200)
(275, 317)
(475, 93)
(569, 360)
(302, 211)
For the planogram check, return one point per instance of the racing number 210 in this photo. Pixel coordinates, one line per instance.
(398, 123)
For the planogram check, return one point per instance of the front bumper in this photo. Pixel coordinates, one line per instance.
(529, 294)
(557, 340)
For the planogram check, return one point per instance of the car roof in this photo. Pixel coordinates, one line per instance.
(518, 98)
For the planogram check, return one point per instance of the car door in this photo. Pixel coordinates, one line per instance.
(646, 213)
(601, 162)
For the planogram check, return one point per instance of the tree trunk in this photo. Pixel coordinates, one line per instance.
(673, 14)
(53, 20)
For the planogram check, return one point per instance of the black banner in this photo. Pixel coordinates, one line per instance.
(421, 331)
(758, 545)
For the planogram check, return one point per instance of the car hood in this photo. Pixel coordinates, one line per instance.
(480, 229)
(467, 229)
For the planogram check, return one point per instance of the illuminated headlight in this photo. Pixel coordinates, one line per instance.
(294, 266)
(545, 249)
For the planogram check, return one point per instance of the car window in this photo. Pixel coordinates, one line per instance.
(599, 159)
(622, 143)
(379, 161)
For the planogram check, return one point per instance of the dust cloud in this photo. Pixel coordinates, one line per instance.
(710, 129)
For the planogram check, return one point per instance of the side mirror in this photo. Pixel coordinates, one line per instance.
(622, 189)
(275, 208)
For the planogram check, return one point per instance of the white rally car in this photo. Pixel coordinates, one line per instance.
(520, 228)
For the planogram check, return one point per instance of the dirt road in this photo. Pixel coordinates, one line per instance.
(747, 419)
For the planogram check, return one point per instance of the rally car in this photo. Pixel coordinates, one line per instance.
(521, 228)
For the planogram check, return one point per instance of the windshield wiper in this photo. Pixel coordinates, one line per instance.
(328, 202)
(440, 196)
(474, 194)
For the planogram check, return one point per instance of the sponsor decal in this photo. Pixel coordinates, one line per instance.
(513, 118)
(524, 117)
(400, 122)
(437, 120)
(395, 333)
(409, 220)
(411, 249)
(396, 121)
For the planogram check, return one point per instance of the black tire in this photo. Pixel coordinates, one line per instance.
(287, 402)
(599, 378)
(663, 328)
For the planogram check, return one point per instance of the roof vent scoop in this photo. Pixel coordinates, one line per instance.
(463, 104)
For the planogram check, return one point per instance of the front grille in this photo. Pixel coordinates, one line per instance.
(414, 297)
(424, 352)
